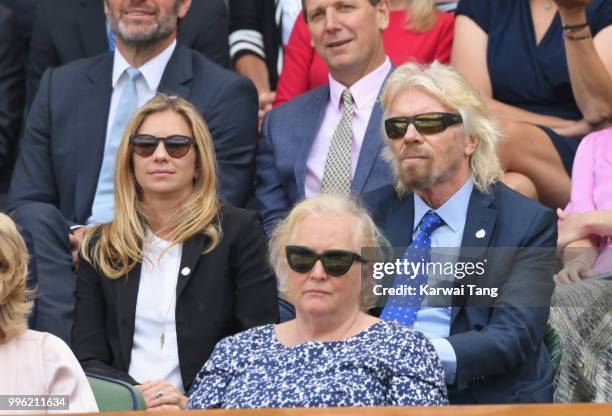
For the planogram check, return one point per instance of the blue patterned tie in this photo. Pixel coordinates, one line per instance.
(403, 309)
(103, 209)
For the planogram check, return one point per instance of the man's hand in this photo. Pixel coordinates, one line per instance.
(75, 237)
(160, 395)
(265, 104)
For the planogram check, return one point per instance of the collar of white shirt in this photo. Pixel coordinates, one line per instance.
(151, 71)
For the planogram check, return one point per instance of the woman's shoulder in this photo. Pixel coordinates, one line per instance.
(398, 338)
(229, 215)
(43, 344)
(240, 226)
(52, 345)
(248, 340)
(393, 328)
(483, 11)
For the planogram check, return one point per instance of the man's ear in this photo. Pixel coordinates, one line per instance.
(106, 13)
(471, 144)
(382, 11)
(183, 8)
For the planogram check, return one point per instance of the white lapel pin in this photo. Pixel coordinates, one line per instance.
(480, 233)
(185, 271)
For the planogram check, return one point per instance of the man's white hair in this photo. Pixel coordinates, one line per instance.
(448, 87)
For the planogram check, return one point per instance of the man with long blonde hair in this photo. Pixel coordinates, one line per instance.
(486, 315)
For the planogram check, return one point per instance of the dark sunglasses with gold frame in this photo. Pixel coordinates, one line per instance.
(426, 123)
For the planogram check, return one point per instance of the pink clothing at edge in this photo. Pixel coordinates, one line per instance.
(592, 185)
(365, 93)
(41, 363)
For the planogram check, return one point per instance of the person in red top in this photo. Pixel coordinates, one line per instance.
(426, 37)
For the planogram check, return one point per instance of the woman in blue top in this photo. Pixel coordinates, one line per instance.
(332, 353)
(544, 68)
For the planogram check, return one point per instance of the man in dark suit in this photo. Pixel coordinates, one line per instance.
(12, 94)
(64, 174)
(441, 145)
(67, 30)
(328, 139)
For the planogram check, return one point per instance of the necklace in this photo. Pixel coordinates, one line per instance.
(163, 318)
(548, 4)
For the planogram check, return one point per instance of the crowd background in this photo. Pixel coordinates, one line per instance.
(267, 104)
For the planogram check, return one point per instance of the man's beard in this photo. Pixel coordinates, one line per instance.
(407, 180)
(145, 35)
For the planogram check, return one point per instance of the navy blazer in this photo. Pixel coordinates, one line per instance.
(61, 153)
(284, 146)
(67, 30)
(501, 357)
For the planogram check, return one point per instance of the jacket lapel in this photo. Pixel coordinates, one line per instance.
(371, 147)
(312, 116)
(479, 226)
(370, 150)
(92, 27)
(92, 111)
(178, 73)
(126, 291)
(192, 251)
(400, 220)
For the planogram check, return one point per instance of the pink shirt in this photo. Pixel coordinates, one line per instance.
(40, 363)
(592, 185)
(365, 93)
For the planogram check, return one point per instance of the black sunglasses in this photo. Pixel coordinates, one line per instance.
(176, 146)
(426, 123)
(335, 262)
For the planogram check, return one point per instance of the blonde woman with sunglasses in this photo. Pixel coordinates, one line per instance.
(176, 269)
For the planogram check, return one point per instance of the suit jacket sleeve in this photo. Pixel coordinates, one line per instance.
(519, 316)
(232, 118)
(89, 331)
(255, 284)
(43, 54)
(33, 178)
(271, 197)
(11, 86)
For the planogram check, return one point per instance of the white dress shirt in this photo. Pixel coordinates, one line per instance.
(155, 314)
(435, 322)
